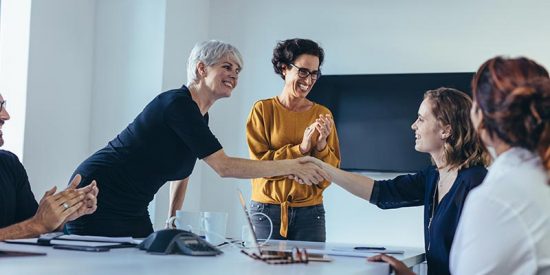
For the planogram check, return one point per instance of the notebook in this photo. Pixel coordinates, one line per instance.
(58, 238)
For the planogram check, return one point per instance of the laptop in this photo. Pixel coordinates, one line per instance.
(296, 255)
(256, 248)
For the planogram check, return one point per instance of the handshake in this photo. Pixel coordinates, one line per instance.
(310, 171)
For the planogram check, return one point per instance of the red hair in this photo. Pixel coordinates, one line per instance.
(514, 96)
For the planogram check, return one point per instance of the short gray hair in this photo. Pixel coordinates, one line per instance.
(210, 52)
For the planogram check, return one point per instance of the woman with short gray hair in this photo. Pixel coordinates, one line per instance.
(163, 143)
(209, 53)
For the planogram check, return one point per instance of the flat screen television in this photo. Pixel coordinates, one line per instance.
(373, 115)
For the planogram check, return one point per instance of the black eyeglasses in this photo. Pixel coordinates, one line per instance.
(303, 72)
(2, 105)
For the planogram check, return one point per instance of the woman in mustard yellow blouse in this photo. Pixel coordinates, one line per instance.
(289, 126)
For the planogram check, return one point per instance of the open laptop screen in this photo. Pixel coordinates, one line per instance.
(255, 247)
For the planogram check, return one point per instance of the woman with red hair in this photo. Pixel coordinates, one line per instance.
(505, 224)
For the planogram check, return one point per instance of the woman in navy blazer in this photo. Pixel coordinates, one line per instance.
(443, 129)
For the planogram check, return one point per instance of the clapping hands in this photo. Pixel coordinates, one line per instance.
(55, 209)
(323, 125)
(316, 134)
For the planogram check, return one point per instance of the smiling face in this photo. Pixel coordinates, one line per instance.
(296, 85)
(429, 134)
(3, 117)
(221, 78)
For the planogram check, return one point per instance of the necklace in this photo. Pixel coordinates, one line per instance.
(443, 181)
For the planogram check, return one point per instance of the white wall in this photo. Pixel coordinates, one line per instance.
(95, 64)
(59, 90)
(129, 39)
(14, 47)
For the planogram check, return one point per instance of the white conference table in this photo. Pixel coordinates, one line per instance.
(232, 261)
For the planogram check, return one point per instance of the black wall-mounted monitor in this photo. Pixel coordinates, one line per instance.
(373, 115)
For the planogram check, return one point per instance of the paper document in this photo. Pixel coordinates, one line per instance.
(98, 239)
(81, 240)
(64, 242)
(84, 243)
(23, 241)
(351, 252)
(369, 251)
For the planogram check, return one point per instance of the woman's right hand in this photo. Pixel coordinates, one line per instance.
(309, 140)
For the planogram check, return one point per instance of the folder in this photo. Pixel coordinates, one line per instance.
(58, 238)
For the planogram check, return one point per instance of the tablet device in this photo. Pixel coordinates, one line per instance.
(82, 248)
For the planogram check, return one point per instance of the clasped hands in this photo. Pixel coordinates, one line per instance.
(310, 171)
(55, 209)
(316, 134)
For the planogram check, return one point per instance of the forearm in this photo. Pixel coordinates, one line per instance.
(232, 167)
(249, 169)
(356, 184)
(25, 229)
(177, 195)
(288, 151)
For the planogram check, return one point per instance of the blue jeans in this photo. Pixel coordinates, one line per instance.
(304, 223)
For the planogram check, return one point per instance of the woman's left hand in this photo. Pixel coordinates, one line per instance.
(324, 127)
(398, 266)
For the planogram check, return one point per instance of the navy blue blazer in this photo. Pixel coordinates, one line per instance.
(420, 189)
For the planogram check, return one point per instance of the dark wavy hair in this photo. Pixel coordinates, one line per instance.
(514, 97)
(287, 51)
(463, 148)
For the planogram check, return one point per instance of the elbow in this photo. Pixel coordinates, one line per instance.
(220, 163)
(223, 170)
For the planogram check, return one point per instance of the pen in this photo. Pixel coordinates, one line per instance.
(222, 244)
(369, 248)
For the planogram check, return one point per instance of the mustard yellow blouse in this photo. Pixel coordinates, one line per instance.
(274, 133)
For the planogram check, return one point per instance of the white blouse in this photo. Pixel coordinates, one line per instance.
(505, 223)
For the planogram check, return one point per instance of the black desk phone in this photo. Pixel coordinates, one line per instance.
(175, 241)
